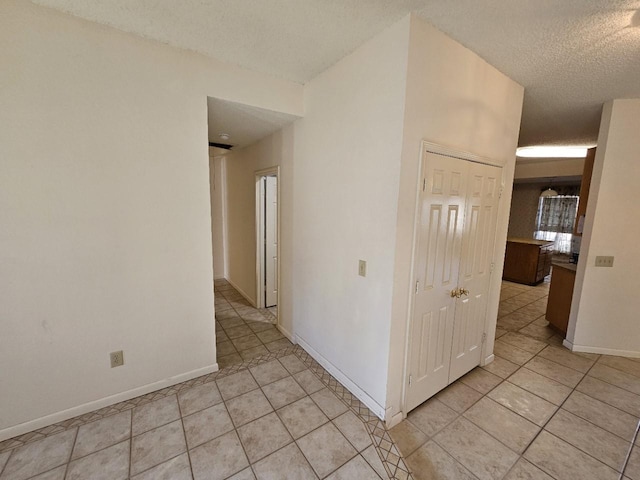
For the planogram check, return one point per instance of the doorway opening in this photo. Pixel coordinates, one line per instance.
(267, 239)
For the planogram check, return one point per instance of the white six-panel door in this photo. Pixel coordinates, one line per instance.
(454, 245)
(271, 241)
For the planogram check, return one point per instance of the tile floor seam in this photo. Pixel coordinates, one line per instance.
(631, 447)
(130, 440)
(73, 446)
(4, 467)
(184, 434)
(614, 385)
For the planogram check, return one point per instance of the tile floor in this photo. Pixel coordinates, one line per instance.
(537, 412)
(278, 416)
(242, 331)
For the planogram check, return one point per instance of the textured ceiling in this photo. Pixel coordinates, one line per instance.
(244, 124)
(570, 55)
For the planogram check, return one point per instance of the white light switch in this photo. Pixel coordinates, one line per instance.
(604, 261)
(362, 268)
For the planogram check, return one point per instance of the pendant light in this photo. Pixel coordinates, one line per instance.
(549, 192)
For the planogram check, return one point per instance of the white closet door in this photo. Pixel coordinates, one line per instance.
(478, 240)
(271, 241)
(439, 243)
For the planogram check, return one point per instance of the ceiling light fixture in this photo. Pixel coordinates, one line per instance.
(224, 136)
(552, 152)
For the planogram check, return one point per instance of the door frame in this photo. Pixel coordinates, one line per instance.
(259, 214)
(427, 147)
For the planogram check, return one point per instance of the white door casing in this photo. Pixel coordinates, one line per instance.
(456, 225)
(271, 241)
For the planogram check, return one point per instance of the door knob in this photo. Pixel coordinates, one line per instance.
(455, 293)
(463, 291)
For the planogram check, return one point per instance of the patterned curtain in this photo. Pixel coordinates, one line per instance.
(556, 216)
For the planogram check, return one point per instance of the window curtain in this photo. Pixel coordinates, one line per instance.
(556, 216)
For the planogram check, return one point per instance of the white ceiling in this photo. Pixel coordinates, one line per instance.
(570, 55)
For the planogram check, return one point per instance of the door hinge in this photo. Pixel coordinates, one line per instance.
(410, 379)
(417, 285)
(424, 184)
(484, 337)
(493, 265)
(500, 193)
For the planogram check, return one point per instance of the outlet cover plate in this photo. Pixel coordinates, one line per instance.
(117, 359)
(362, 268)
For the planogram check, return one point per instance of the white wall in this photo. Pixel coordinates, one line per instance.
(106, 228)
(241, 165)
(554, 167)
(455, 99)
(347, 163)
(217, 185)
(604, 313)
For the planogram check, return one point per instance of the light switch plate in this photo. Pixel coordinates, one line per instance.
(362, 268)
(604, 261)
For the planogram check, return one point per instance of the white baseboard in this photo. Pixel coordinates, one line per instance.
(488, 360)
(242, 292)
(377, 409)
(47, 420)
(603, 351)
(287, 334)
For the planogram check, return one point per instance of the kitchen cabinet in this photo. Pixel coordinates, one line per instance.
(527, 261)
(560, 295)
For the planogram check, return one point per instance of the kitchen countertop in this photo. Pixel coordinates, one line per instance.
(530, 241)
(566, 265)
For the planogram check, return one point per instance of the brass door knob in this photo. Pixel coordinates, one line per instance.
(455, 293)
(463, 291)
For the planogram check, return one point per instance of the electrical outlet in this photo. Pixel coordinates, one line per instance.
(604, 261)
(362, 268)
(117, 359)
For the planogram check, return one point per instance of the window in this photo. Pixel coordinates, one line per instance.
(556, 216)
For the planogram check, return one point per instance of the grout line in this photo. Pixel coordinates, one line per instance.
(75, 439)
(628, 456)
(184, 434)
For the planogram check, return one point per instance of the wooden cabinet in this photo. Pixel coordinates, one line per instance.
(527, 261)
(560, 295)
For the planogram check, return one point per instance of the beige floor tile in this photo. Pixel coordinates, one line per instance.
(358, 468)
(511, 353)
(301, 417)
(626, 365)
(524, 403)
(103, 433)
(481, 380)
(524, 470)
(539, 332)
(432, 416)
(259, 326)
(292, 364)
(109, 464)
(154, 414)
(268, 372)
(218, 459)
(236, 384)
(263, 436)
(157, 446)
(501, 423)
(602, 414)
(458, 396)
(561, 460)
(246, 474)
(564, 375)
(199, 398)
(55, 474)
(431, 462)
(564, 357)
(225, 348)
(501, 367)
(407, 437)
(206, 425)
(231, 321)
(4, 456)
(326, 449)
(616, 377)
(617, 397)
(246, 342)
(544, 387)
(500, 332)
(476, 450)
(633, 467)
(248, 406)
(278, 345)
(308, 381)
(40, 456)
(178, 468)
(354, 430)
(371, 456)
(239, 331)
(600, 444)
(283, 392)
(287, 463)
(269, 335)
(523, 342)
(331, 405)
(227, 360)
(253, 352)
